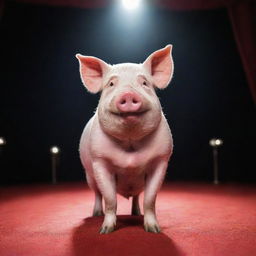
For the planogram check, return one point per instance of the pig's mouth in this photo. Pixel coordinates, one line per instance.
(130, 115)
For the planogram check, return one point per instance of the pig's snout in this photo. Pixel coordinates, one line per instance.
(128, 102)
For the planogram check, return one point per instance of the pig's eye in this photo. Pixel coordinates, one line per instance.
(112, 81)
(142, 80)
(145, 83)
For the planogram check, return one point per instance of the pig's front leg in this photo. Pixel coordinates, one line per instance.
(106, 184)
(153, 183)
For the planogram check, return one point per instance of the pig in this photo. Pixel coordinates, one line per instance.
(125, 147)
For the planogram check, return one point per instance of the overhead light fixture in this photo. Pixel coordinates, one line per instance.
(131, 4)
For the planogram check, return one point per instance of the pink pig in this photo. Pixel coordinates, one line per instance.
(126, 145)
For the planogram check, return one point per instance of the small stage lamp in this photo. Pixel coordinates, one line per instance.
(55, 151)
(215, 144)
(2, 143)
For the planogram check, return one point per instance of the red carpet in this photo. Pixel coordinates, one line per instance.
(196, 219)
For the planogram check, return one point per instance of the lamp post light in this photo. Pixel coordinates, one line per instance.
(2, 141)
(2, 144)
(55, 151)
(215, 144)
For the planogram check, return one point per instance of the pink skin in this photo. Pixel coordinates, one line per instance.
(126, 146)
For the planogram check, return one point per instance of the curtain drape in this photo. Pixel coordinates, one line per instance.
(243, 19)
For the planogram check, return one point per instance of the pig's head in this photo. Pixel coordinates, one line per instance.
(128, 108)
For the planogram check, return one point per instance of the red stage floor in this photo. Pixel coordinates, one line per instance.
(196, 219)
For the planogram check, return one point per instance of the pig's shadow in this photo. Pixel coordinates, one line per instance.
(129, 238)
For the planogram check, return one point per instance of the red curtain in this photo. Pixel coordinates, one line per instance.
(242, 15)
(243, 20)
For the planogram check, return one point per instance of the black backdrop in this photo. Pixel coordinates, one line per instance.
(43, 102)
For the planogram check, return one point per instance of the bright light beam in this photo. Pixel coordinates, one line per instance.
(131, 4)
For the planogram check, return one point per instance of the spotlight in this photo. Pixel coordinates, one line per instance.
(55, 159)
(2, 141)
(131, 4)
(215, 144)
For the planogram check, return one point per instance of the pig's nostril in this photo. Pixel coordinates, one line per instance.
(129, 102)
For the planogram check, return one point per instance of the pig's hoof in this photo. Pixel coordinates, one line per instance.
(108, 224)
(98, 213)
(107, 229)
(154, 228)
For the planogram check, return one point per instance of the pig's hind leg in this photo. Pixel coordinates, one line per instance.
(97, 210)
(135, 205)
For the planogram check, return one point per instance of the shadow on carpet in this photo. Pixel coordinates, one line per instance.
(129, 238)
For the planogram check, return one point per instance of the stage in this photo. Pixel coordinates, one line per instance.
(196, 219)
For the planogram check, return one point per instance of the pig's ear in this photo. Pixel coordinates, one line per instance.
(92, 70)
(160, 66)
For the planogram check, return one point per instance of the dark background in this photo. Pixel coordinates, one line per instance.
(43, 102)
